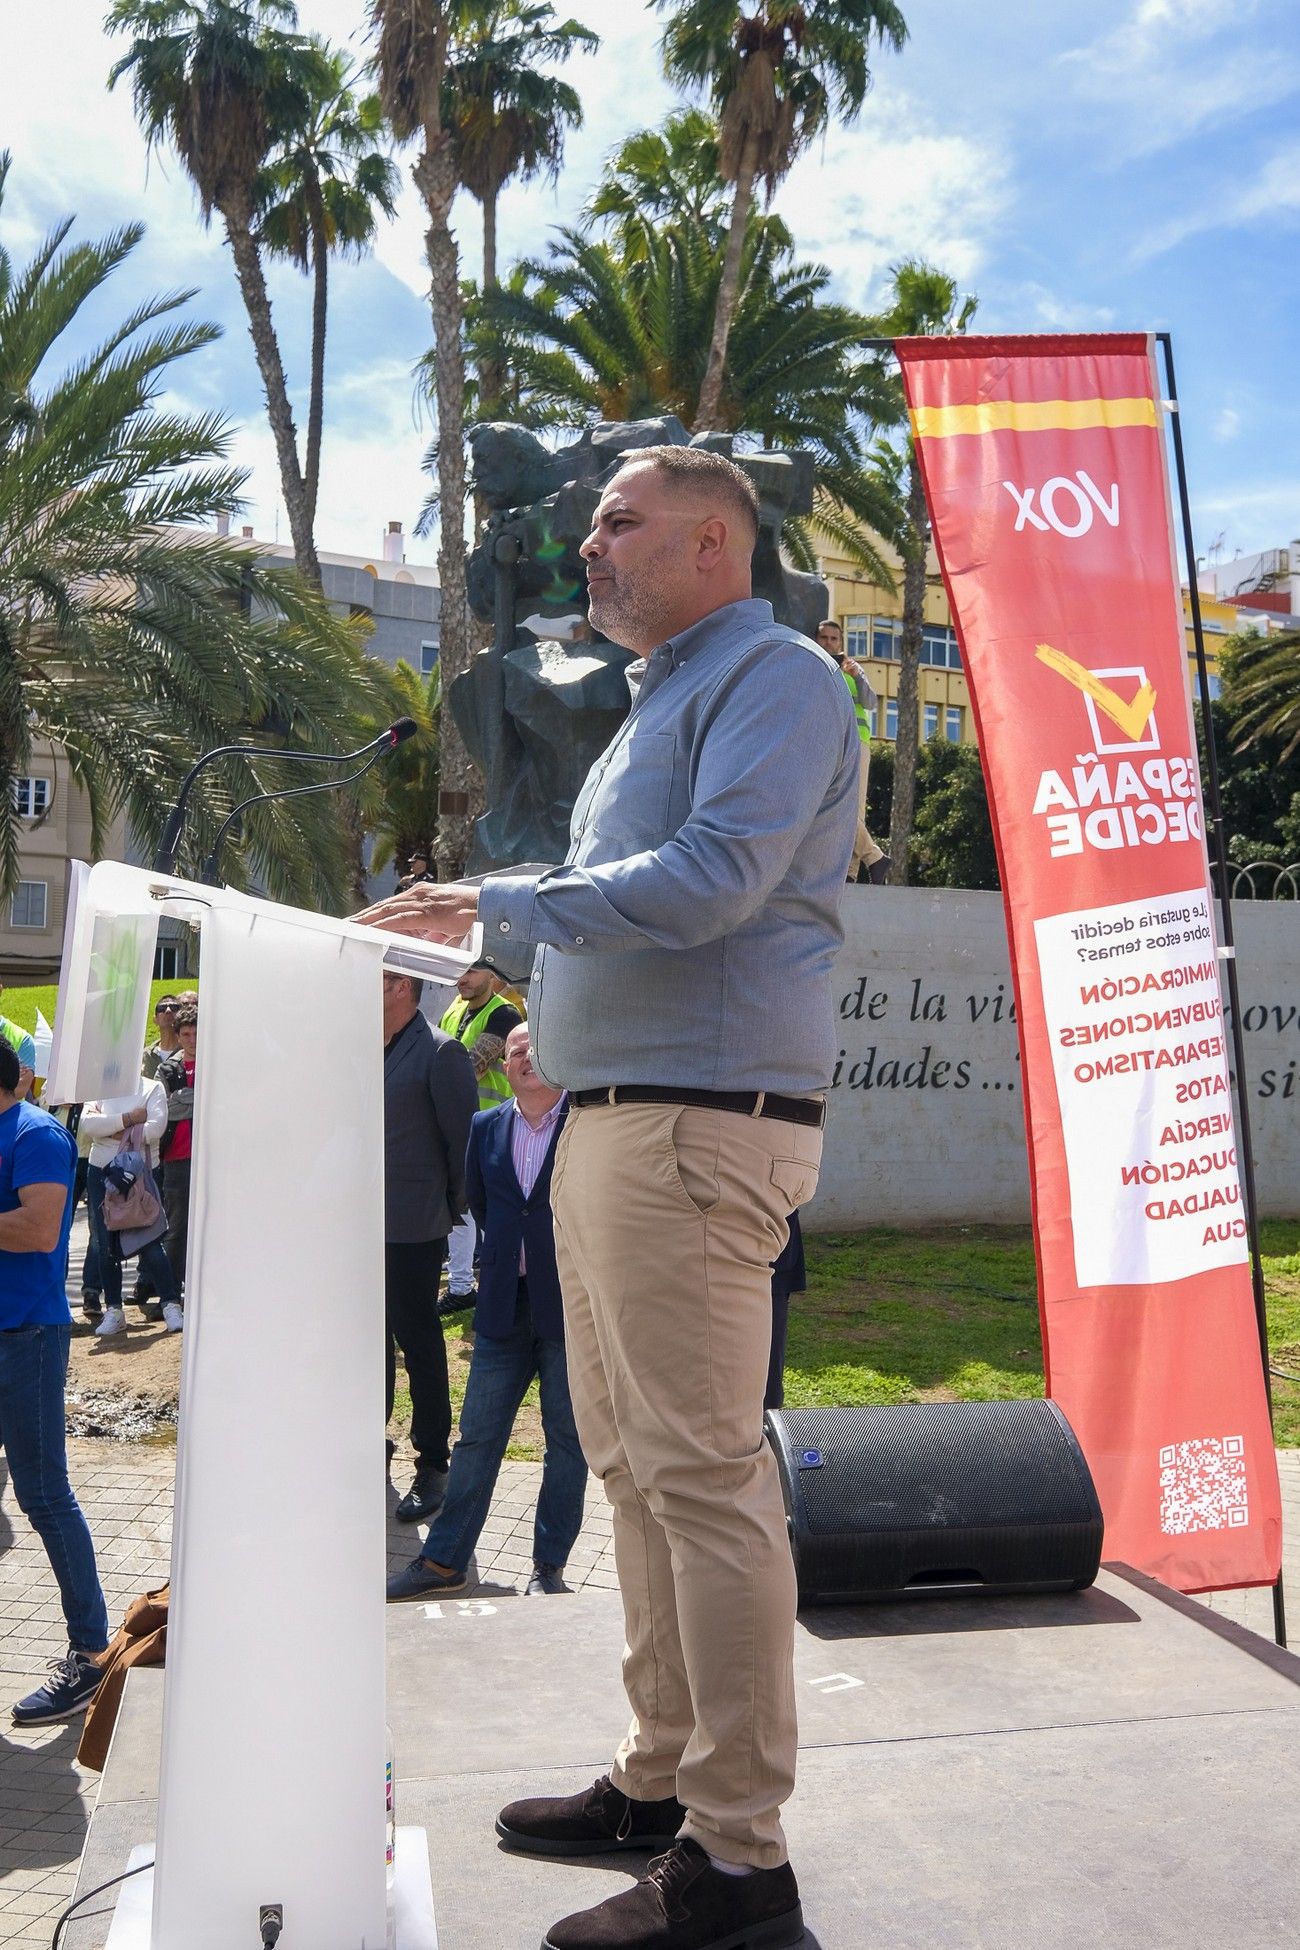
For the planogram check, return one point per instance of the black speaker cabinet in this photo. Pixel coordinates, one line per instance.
(900, 1500)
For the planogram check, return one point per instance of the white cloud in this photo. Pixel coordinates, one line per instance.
(877, 192)
(1252, 515)
(1227, 424)
(1271, 195)
(1037, 307)
(1154, 24)
(1176, 69)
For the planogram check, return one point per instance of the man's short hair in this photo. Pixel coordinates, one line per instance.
(698, 472)
(10, 1068)
(829, 623)
(186, 1016)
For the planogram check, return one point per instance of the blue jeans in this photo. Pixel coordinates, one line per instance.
(153, 1261)
(33, 1369)
(499, 1373)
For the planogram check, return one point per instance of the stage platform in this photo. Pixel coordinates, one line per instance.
(1114, 1770)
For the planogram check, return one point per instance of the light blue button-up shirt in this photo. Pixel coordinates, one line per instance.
(689, 937)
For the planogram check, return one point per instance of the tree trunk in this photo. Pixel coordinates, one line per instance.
(489, 372)
(707, 414)
(252, 285)
(319, 304)
(907, 735)
(460, 796)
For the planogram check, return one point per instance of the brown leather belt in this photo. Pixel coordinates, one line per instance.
(747, 1103)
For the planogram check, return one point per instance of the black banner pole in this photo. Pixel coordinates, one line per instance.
(1218, 850)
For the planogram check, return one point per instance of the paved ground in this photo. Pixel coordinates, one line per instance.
(126, 1490)
(46, 1800)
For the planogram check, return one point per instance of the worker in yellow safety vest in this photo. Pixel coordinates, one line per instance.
(865, 851)
(481, 1018)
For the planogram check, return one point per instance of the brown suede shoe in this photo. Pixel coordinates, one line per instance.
(684, 1903)
(597, 1821)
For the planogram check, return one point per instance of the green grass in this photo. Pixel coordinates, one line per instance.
(20, 1005)
(946, 1315)
(952, 1315)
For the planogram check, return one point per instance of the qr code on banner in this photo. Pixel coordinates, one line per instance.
(1203, 1485)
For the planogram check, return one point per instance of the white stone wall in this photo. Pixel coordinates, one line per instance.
(926, 1120)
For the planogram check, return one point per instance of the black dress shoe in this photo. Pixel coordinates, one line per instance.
(426, 1496)
(457, 1303)
(596, 1822)
(547, 1581)
(684, 1903)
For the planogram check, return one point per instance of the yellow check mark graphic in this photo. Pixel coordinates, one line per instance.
(1132, 715)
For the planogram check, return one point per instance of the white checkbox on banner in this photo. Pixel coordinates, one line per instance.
(1113, 739)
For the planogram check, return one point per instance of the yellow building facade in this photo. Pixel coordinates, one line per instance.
(871, 619)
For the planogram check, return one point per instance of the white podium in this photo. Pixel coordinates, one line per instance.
(272, 1780)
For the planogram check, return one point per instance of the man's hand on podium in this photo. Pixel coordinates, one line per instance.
(430, 910)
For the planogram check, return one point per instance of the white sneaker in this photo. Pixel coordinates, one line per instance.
(174, 1316)
(114, 1322)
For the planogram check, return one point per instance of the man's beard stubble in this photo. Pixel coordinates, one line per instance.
(625, 605)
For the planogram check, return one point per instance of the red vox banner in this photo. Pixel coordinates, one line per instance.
(1044, 469)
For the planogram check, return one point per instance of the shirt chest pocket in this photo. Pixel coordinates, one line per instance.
(631, 808)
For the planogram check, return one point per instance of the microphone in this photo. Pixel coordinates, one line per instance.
(387, 741)
(164, 859)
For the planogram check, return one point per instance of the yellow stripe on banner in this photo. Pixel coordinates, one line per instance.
(1031, 416)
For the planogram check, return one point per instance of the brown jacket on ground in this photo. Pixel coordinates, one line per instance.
(142, 1641)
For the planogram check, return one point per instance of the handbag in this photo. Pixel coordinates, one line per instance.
(131, 1199)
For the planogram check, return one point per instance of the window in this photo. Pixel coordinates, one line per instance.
(891, 717)
(27, 908)
(31, 797)
(428, 658)
(954, 724)
(857, 636)
(872, 716)
(931, 720)
(886, 636)
(167, 962)
(939, 647)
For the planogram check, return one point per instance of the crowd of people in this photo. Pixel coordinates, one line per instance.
(161, 1110)
(631, 1182)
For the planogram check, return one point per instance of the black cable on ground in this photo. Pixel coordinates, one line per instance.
(112, 1883)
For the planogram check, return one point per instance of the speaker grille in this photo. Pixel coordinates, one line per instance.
(936, 1495)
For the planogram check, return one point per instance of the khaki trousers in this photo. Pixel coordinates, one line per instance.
(667, 1221)
(865, 850)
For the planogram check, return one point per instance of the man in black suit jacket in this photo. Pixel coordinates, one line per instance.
(429, 1100)
(518, 1333)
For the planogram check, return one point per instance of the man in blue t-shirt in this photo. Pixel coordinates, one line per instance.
(37, 1164)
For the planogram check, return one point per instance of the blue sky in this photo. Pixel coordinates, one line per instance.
(1135, 163)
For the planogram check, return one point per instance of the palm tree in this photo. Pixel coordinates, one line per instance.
(216, 78)
(1261, 679)
(924, 302)
(401, 807)
(617, 328)
(319, 192)
(416, 41)
(129, 636)
(507, 119)
(776, 75)
(657, 174)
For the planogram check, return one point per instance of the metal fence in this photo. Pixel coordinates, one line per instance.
(1267, 880)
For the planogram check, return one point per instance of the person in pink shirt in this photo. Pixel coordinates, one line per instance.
(176, 1074)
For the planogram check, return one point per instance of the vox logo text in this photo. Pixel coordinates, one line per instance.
(1069, 503)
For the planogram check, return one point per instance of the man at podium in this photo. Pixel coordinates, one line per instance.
(682, 994)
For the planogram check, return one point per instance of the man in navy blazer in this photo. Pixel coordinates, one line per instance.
(518, 1334)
